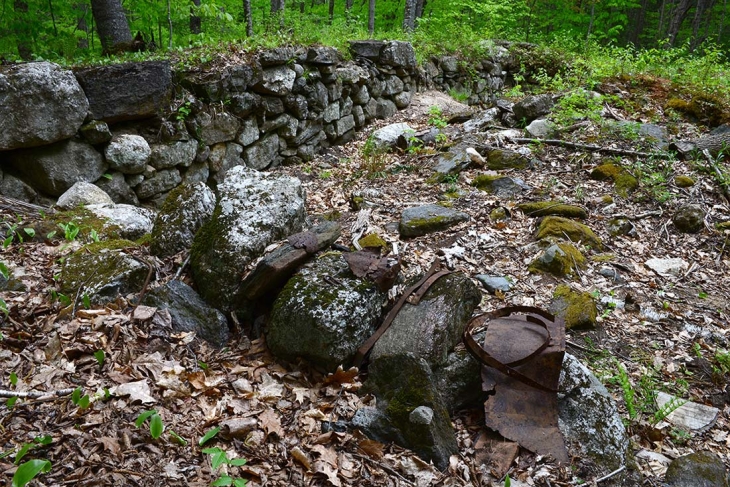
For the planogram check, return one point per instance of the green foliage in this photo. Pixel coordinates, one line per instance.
(82, 401)
(209, 435)
(39, 441)
(575, 106)
(29, 470)
(218, 458)
(100, 356)
(436, 118)
(155, 424)
(70, 230)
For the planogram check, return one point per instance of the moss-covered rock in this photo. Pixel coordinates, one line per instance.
(578, 309)
(683, 181)
(506, 159)
(620, 226)
(561, 259)
(426, 219)
(323, 314)
(254, 209)
(562, 228)
(722, 226)
(545, 208)
(413, 407)
(502, 186)
(623, 181)
(103, 272)
(373, 241)
(498, 214)
(701, 469)
(184, 211)
(689, 218)
(431, 328)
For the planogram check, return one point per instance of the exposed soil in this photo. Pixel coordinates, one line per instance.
(668, 336)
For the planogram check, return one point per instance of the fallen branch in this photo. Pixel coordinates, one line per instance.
(615, 472)
(36, 394)
(591, 148)
(18, 206)
(384, 467)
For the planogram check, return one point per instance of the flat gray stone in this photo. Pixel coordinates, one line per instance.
(426, 219)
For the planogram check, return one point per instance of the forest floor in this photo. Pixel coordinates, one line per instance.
(275, 415)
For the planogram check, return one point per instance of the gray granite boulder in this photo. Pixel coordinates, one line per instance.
(323, 314)
(131, 222)
(422, 220)
(185, 210)
(254, 209)
(278, 81)
(385, 138)
(700, 469)
(161, 181)
(263, 153)
(689, 218)
(532, 107)
(398, 54)
(128, 154)
(55, 168)
(41, 103)
(180, 153)
(83, 193)
(115, 185)
(189, 312)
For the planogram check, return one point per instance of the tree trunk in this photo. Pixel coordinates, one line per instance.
(81, 10)
(371, 17)
(111, 24)
(249, 20)
(195, 20)
(348, 5)
(702, 7)
(277, 6)
(420, 6)
(331, 10)
(680, 12)
(637, 26)
(409, 16)
(22, 30)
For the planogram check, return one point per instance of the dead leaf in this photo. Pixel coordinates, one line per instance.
(328, 471)
(304, 240)
(340, 376)
(271, 423)
(137, 391)
(372, 448)
(111, 445)
(329, 455)
(299, 455)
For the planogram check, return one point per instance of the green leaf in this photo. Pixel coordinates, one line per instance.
(44, 440)
(507, 481)
(238, 462)
(29, 470)
(7, 242)
(156, 426)
(703, 295)
(143, 417)
(64, 300)
(179, 439)
(13, 378)
(86, 301)
(100, 356)
(218, 458)
(11, 402)
(107, 176)
(210, 434)
(23, 452)
(4, 270)
(50, 235)
(240, 482)
(223, 480)
(84, 401)
(30, 232)
(76, 395)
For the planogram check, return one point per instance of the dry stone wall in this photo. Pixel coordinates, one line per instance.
(148, 128)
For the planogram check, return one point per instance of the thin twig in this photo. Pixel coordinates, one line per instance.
(146, 281)
(724, 187)
(179, 271)
(384, 467)
(615, 472)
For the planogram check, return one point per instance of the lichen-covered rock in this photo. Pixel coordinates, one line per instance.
(455, 160)
(433, 327)
(689, 218)
(163, 180)
(41, 104)
(700, 469)
(278, 81)
(546, 208)
(532, 107)
(83, 193)
(589, 419)
(217, 128)
(128, 154)
(263, 153)
(578, 309)
(103, 272)
(189, 312)
(502, 186)
(403, 384)
(96, 132)
(254, 209)
(323, 314)
(498, 159)
(494, 283)
(422, 220)
(385, 138)
(620, 226)
(131, 222)
(223, 157)
(561, 228)
(559, 260)
(55, 168)
(185, 210)
(398, 54)
(541, 128)
(180, 153)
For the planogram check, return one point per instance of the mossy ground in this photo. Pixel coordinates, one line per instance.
(561, 228)
(578, 309)
(546, 208)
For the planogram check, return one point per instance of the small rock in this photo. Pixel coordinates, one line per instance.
(701, 469)
(684, 181)
(128, 154)
(96, 132)
(667, 267)
(558, 259)
(494, 283)
(532, 107)
(687, 415)
(541, 128)
(577, 309)
(502, 186)
(546, 208)
(132, 221)
(83, 193)
(689, 218)
(562, 228)
(426, 219)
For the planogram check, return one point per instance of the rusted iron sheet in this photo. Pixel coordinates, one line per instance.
(523, 350)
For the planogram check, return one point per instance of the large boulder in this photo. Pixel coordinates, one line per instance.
(323, 314)
(385, 138)
(189, 312)
(129, 91)
(185, 210)
(55, 168)
(41, 104)
(254, 209)
(398, 54)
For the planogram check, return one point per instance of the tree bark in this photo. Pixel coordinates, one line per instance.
(249, 20)
(680, 12)
(81, 10)
(331, 10)
(277, 6)
(420, 6)
(111, 24)
(703, 6)
(22, 30)
(195, 20)
(371, 17)
(409, 16)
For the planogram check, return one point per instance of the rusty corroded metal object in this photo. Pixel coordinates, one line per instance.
(522, 356)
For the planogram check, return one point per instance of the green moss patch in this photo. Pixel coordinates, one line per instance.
(546, 208)
(578, 309)
(562, 228)
(684, 181)
(561, 259)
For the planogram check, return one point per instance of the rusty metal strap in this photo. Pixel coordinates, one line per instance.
(417, 291)
(485, 358)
